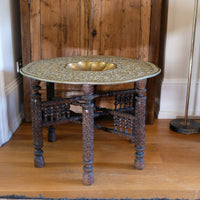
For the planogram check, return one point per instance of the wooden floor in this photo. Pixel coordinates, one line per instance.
(172, 165)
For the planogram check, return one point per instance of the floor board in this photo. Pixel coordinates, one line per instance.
(172, 165)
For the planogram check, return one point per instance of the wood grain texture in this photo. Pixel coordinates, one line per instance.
(145, 23)
(122, 29)
(117, 26)
(35, 30)
(171, 165)
(94, 27)
(154, 51)
(155, 29)
(26, 58)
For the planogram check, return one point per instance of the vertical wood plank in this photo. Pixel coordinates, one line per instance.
(85, 28)
(35, 30)
(117, 26)
(145, 18)
(153, 57)
(95, 32)
(65, 27)
(26, 55)
(50, 29)
(155, 31)
(109, 27)
(130, 25)
(71, 36)
(163, 32)
(25, 31)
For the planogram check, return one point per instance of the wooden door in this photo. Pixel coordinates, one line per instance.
(55, 28)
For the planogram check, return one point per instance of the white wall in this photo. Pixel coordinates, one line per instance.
(177, 54)
(10, 81)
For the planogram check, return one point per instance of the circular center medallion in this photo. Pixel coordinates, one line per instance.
(91, 66)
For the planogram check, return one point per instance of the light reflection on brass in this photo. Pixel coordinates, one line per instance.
(91, 66)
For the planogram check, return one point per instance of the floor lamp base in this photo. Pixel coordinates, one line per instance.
(178, 125)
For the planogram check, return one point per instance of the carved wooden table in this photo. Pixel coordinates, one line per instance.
(90, 71)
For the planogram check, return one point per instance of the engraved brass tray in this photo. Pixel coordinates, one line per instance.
(96, 70)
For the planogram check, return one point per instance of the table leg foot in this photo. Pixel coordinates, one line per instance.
(39, 159)
(88, 177)
(139, 160)
(51, 134)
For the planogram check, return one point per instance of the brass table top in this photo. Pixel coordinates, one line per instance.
(96, 70)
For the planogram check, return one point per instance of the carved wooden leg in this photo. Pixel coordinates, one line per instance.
(50, 95)
(140, 104)
(132, 141)
(88, 134)
(37, 124)
(51, 134)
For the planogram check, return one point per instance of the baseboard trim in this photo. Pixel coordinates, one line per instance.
(13, 85)
(173, 97)
(9, 130)
(10, 125)
(16, 122)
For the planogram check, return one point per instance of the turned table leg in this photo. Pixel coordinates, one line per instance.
(50, 95)
(140, 105)
(88, 134)
(37, 124)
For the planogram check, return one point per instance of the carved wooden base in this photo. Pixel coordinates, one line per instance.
(128, 115)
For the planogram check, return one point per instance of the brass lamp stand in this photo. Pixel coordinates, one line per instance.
(188, 126)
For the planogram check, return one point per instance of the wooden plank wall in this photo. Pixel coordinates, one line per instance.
(26, 55)
(88, 27)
